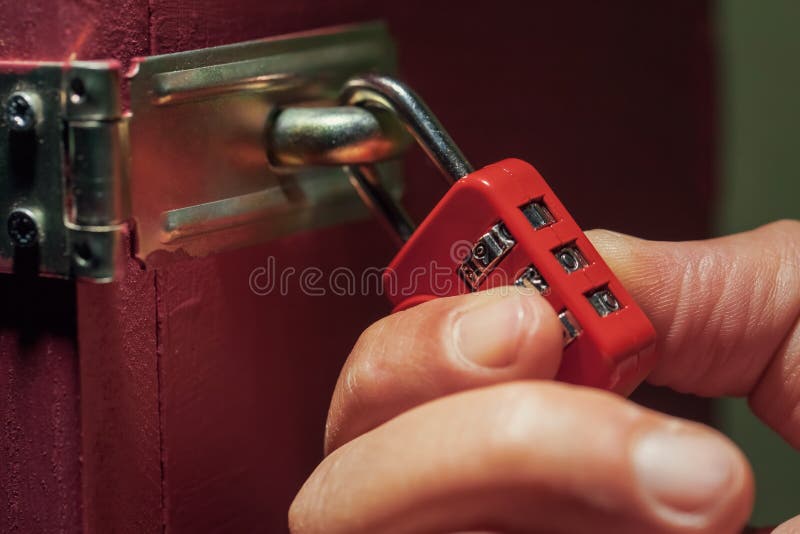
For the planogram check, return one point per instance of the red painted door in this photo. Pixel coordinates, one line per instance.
(177, 399)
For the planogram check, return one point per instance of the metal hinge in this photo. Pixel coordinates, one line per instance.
(185, 160)
(63, 189)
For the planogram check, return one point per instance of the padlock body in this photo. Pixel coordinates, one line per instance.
(503, 225)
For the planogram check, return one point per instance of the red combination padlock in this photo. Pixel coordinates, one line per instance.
(502, 225)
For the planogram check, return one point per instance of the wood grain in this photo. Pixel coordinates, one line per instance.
(119, 394)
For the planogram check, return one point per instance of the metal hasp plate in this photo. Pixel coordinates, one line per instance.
(192, 144)
(62, 140)
(200, 180)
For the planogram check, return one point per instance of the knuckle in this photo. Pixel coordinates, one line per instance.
(778, 272)
(516, 424)
(388, 347)
(296, 519)
(371, 337)
(789, 226)
(364, 364)
(370, 362)
(784, 239)
(395, 332)
(533, 414)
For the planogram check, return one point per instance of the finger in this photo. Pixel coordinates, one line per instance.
(532, 456)
(726, 312)
(440, 347)
(790, 527)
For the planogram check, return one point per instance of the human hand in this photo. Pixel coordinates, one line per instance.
(445, 420)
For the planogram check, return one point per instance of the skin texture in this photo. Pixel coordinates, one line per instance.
(436, 427)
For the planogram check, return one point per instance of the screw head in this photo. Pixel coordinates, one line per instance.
(22, 228)
(21, 112)
(77, 91)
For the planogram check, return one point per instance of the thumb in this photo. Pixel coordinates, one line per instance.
(441, 347)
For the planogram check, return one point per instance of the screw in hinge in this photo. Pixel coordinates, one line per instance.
(77, 91)
(21, 111)
(23, 228)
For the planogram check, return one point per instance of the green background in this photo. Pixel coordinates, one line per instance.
(758, 47)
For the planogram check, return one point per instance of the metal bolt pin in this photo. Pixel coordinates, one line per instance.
(23, 228)
(21, 112)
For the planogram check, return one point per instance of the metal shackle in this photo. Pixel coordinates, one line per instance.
(299, 137)
(386, 93)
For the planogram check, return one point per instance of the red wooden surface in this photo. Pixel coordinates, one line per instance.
(39, 399)
(58, 30)
(120, 424)
(246, 377)
(202, 404)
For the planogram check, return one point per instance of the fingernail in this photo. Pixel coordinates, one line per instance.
(487, 334)
(685, 470)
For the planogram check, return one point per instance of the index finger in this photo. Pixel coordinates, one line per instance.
(726, 312)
